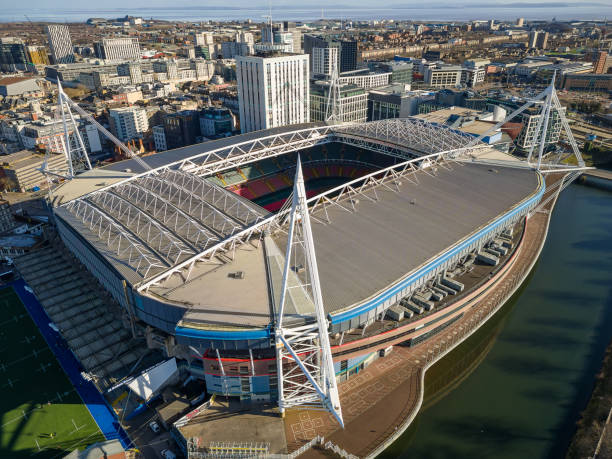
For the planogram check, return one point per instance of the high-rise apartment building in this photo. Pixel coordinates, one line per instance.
(159, 138)
(297, 35)
(273, 90)
(347, 54)
(128, 123)
(203, 39)
(600, 62)
(118, 49)
(529, 137)
(324, 60)
(538, 39)
(37, 55)
(242, 46)
(60, 43)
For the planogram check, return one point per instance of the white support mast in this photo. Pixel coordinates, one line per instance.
(306, 374)
(77, 159)
(333, 108)
(550, 108)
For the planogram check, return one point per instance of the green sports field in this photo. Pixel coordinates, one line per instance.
(42, 414)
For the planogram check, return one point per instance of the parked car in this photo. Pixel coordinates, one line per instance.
(154, 426)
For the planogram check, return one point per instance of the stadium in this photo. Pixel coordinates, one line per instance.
(410, 222)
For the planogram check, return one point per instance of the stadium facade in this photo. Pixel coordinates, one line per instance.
(194, 249)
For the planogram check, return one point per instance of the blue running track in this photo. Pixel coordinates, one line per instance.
(97, 405)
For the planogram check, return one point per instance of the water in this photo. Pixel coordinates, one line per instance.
(417, 12)
(540, 354)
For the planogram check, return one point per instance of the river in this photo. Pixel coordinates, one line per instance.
(530, 372)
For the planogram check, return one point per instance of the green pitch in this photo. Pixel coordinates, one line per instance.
(41, 413)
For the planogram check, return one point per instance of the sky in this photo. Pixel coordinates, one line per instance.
(197, 10)
(79, 4)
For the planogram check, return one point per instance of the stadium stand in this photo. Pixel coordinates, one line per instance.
(89, 320)
(262, 181)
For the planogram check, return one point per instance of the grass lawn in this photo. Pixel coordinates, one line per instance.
(42, 414)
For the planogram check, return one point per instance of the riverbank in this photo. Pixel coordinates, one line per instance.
(590, 433)
(598, 178)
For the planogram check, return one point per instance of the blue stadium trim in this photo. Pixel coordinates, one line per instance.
(223, 335)
(365, 307)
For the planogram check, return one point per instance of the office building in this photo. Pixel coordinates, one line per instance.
(365, 78)
(60, 43)
(182, 128)
(472, 76)
(352, 103)
(19, 86)
(348, 55)
(401, 71)
(529, 137)
(442, 76)
(297, 35)
(12, 55)
(128, 123)
(22, 170)
(587, 82)
(520, 22)
(131, 69)
(393, 101)
(7, 221)
(216, 122)
(324, 60)
(118, 49)
(273, 90)
(284, 33)
(50, 136)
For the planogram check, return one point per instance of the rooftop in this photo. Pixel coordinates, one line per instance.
(15, 79)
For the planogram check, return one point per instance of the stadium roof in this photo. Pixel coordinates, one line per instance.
(405, 138)
(362, 253)
(153, 226)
